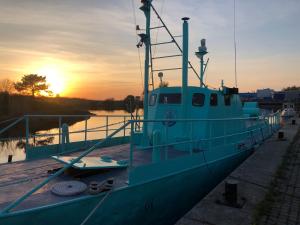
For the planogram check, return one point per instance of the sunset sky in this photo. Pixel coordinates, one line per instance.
(87, 48)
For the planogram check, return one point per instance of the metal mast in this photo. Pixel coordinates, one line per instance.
(185, 62)
(146, 39)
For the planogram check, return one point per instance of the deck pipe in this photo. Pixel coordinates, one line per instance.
(185, 61)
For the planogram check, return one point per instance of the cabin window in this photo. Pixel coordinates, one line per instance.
(227, 99)
(152, 99)
(170, 98)
(198, 99)
(213, 99)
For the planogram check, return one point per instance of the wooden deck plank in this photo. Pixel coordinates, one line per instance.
(17, 178)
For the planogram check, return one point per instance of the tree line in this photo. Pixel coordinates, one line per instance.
(32, 95)
(30, 84)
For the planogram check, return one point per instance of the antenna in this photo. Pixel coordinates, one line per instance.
(234, 42)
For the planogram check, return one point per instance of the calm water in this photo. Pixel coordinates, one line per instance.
(16, 147)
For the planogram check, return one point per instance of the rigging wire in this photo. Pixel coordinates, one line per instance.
(158, 24)
(152, 53)
(173, 39)
(234, 42)
(137, 39)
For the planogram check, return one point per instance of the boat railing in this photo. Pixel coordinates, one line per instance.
(202, 135)
(60, 137)
(155, 146)
(99, 144)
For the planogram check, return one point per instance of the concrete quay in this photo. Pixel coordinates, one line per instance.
(268, 187)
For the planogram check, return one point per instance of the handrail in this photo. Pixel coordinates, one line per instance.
(87, 115)
(59, 172)
(12, 124)
(192, 120)
(103, 141)
(200, 120)
(94, 129)
(201, 139)
(5, 121)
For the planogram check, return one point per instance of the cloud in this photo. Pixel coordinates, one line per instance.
(97, 39)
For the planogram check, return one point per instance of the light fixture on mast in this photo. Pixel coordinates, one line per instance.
(160, 75)
(202, 50)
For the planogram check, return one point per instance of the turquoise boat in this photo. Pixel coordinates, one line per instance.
(189, 139)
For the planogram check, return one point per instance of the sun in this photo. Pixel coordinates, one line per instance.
(54, 78)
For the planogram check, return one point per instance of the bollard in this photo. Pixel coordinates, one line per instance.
(231, 192)
(280, 135)
(10, 157)
(293, 122)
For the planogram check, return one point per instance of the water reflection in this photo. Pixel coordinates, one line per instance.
(16, 147)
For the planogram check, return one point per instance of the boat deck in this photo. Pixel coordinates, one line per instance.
(18, 178)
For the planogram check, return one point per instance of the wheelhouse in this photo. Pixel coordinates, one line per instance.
(202, 103)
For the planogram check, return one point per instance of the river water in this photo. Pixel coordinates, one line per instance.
(17, 147)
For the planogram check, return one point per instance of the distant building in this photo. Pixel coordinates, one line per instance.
(250, 96)
(292, 96)
(279, 96)
(265, 93)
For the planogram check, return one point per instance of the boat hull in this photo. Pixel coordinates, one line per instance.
(162, 201)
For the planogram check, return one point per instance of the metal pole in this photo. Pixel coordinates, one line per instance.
(166, 140)
(106, 126)
(59, 131)
(27, 132)
(210, 134)
(191, 137)
(185, 55)
(12, 124)
(85, 131)
(146, 8)
(124, 132)
(201, 71)
(131, 145)
(224, 132)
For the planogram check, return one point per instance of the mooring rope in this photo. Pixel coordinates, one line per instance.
(96, 207)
